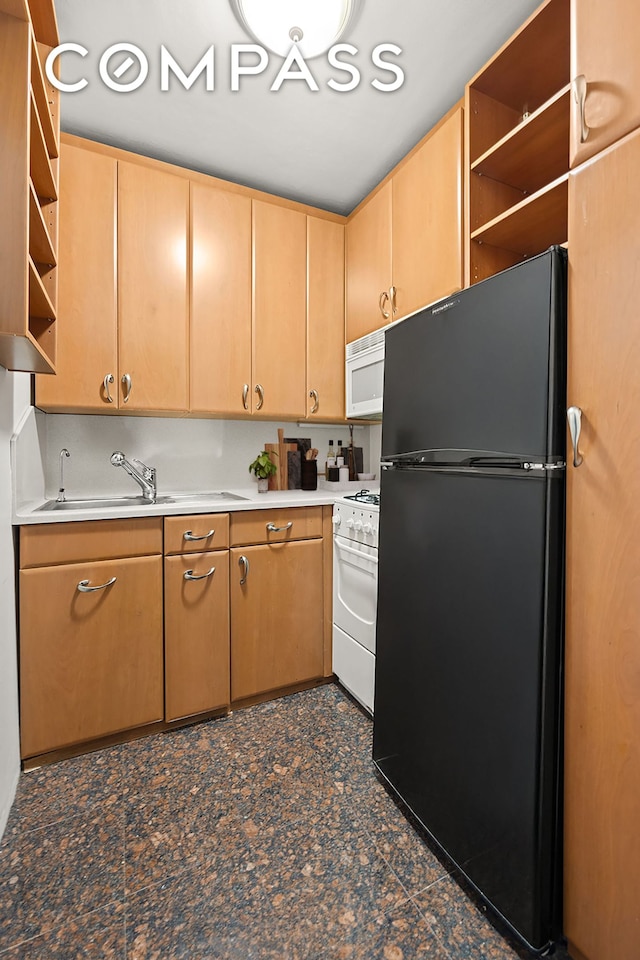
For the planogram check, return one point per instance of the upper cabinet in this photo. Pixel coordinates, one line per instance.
(605, 69)
(153, 295)
(220, 301)
(517, 111)
(29, 134)
(279, 311)
(404, 243)
(87, 355)
(325, 319)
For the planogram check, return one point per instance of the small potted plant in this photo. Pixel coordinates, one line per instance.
(263, 467)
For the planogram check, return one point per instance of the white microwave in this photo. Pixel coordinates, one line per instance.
(365, 376)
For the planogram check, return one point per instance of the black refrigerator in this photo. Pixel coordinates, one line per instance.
(468, 694)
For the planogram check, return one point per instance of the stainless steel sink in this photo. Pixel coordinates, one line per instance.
(117, 502)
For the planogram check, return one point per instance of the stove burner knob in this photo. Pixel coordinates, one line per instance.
(336, 521)
(368, 529)
(375, 531)
(358, 525)
(350, 522)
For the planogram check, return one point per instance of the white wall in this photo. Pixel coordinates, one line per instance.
(189, 455)
(14, 398)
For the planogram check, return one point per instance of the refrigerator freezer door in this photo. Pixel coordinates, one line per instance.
(483, 370)
(467, 676)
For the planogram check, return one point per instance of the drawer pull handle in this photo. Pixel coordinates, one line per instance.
(259, 389)
(580, 94)
(313, 395)
(127, 385)
(271, 527)
(188, 535)
(190, 575)
(245, 396)
(105, 383)
(84, 587)
(244, 563)
(384, 298)
(574, 416)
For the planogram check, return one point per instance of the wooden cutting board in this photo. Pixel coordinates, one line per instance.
(279, 454)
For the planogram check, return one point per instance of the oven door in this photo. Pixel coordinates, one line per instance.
(355, 590)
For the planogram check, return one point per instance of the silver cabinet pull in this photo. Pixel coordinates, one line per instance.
(84, 587)
(105, 383)
(574, 416)
(259, 389)
(384, 296)
(313, 395)
(580, 95)
(191, 539)
(245, 396)
(271, 527)
(190, 575)
(126, 383)
(244, 563)
(392, 298)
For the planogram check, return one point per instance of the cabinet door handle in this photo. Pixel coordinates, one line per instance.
(392, 298)
(84, 587)
(580, 94)
(105, 383)
(244, 563)
(190, 575)
(245, 396)
(271, 527)
(191, 539)
(313, 395)
(259, 389)
(384, 296)
(126, 383)
(574, 416)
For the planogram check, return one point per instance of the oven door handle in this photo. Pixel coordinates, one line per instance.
(354, 552)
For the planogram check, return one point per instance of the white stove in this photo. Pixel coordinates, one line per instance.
(355, 590)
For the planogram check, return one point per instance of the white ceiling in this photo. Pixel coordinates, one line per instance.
(326, 148)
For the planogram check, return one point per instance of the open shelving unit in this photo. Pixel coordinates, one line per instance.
(517, 146)
(29, 148)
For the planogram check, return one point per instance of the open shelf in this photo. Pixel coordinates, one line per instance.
(42, 334)
(40, 304)
(531, 225)
(534, 153)
(40, 244)
(40, 164)
(43, 18)
(15, 8)
(39, 88)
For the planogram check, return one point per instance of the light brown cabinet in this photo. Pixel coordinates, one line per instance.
(278, 581)
(153, 296)
(87, 355)
(220, 301)
(90, 632)
(404, 244)
(325, 320)
(517, 136)
(605, 70)
(278, 382)
(30, 124)
(602, 714)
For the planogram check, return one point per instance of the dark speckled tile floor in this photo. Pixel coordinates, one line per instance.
(260, 836)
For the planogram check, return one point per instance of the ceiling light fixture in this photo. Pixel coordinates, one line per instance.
(314, 25)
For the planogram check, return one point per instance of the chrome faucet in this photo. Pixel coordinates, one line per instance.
(143, 475)
(63, 453)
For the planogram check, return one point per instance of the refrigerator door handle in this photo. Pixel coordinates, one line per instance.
(574, 416)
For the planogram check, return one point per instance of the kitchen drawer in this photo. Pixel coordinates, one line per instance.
(297, 523)
(76, 542)
(209, 530)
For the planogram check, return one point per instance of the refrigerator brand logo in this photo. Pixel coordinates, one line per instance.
(445, 306)
(246, 60)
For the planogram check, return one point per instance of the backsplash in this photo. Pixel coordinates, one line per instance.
(189, 455)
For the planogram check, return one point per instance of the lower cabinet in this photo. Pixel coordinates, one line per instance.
(196, 633)
(90, 650)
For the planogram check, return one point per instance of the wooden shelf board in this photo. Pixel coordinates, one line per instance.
(39, 302)
(536, 152)
(40, 243)
(533, 224)
(39, 89)
(24, 353)
(15, 8)
(40, 164)
(43, 18)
